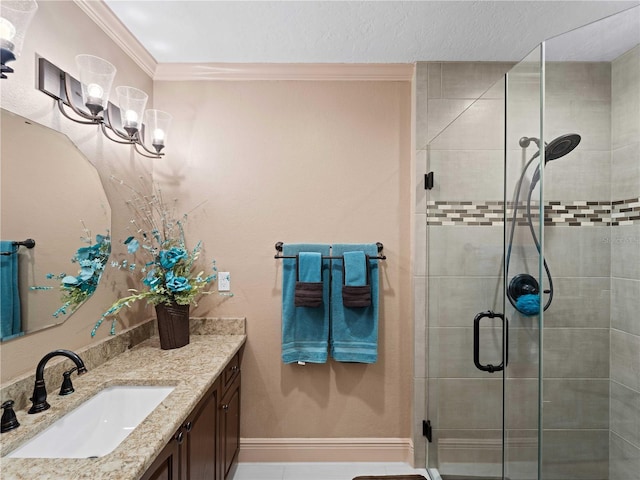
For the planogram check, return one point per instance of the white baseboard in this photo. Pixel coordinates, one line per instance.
(326, 450)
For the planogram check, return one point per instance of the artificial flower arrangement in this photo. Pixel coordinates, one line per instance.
(170, 272)
(92, 261)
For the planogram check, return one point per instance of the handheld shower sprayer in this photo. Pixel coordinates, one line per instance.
(523, 291)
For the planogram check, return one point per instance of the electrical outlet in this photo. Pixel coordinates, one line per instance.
(224, 281)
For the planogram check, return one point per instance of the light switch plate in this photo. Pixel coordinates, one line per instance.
(224, 281)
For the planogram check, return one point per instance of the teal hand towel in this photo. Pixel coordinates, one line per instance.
(355, 269)
(10, 324)
(305, 330)
(354, 331)
(356, 291)
(310, 267)
(309, 287)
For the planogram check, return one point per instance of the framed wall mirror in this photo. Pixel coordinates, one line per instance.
(50, 193)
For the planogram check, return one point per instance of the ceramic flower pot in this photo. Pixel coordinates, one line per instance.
(173, 325)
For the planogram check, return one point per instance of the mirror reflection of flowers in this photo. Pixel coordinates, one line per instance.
(169, 269)
(92, 260)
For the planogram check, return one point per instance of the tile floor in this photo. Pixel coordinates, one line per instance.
(319, 471)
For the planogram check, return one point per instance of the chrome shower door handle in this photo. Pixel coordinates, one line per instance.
(476, 342)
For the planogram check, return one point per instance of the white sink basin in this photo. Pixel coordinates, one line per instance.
(97, 426)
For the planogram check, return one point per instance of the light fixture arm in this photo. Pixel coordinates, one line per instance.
(107, 122)
(61, 104)
(139, 142)
(135, 140)
(104, 128)
(153, 154)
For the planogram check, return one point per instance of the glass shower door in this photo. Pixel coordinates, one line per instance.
(465, 234)
(482, 216)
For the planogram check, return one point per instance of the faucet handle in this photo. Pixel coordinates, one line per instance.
(67, 387)
(9, 420)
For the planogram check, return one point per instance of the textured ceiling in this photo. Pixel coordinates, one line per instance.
(351, 31)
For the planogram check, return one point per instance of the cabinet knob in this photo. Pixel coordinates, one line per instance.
(188, 426)
(225, 407)
(235, 368)
(180, 437)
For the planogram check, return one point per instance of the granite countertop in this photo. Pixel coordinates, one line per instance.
(192, 369)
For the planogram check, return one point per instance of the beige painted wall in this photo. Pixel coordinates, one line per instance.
(311, 161)
(60, 30)
(274, 161)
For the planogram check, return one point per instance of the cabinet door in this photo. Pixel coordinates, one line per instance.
(230, 425)
(165, 467)
(201, 446)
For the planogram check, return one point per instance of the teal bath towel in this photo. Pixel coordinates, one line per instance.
(10, 324)
(305, 330)
(354, 331)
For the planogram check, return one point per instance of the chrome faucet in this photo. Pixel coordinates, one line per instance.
(39, 397)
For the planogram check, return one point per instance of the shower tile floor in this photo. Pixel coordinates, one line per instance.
(319, 471)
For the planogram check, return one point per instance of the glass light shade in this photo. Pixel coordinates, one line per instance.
(15, 17)
(96, 76)
(156, 128)
(131, 102)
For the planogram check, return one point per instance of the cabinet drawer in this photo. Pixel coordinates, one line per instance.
(229, 427)
(231, 370)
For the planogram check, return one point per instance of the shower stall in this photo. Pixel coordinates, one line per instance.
(530, 282)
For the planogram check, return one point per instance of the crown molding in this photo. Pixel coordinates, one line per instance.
(390, 72)
(102, 15)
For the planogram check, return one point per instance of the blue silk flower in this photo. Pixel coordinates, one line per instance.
(168, 258)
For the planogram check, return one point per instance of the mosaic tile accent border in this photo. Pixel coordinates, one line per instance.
(572, 214)
(625, 212)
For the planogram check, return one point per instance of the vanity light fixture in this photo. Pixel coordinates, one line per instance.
(15, 16)
(88, 97)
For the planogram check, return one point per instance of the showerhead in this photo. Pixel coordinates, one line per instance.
(558, 147)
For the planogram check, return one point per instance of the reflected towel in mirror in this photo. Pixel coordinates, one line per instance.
(10, 324)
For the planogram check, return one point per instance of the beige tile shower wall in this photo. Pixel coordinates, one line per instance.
(60, 31)
(578, 100)
(309, 161)
(460, 265)
(624, 443)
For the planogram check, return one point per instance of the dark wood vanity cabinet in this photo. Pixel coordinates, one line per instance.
(208, 441)
(167, 465)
